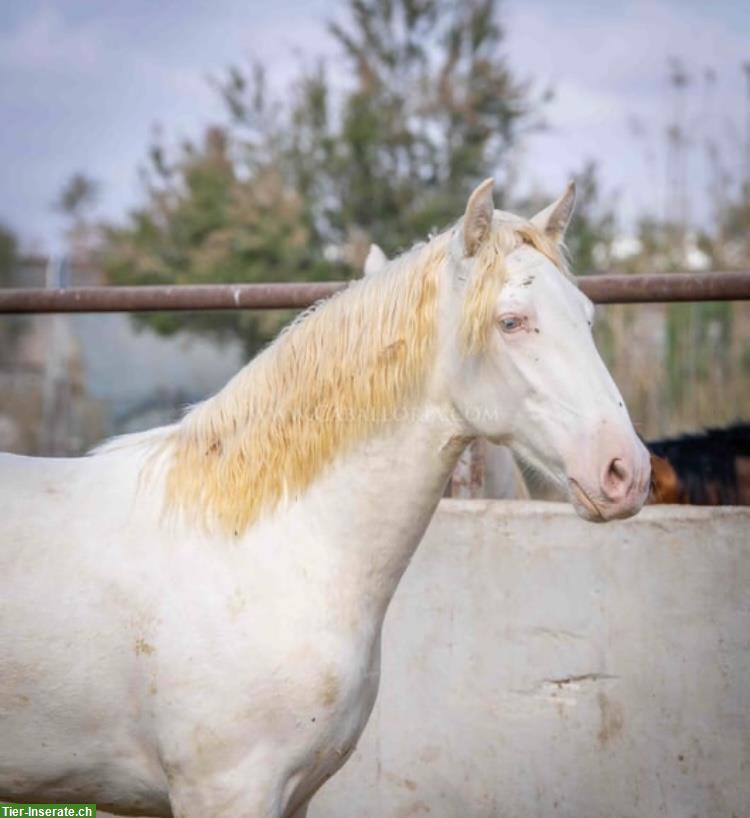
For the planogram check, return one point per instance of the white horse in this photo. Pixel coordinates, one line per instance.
(191, 617)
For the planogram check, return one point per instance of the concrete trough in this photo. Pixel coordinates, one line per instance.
(537, 665)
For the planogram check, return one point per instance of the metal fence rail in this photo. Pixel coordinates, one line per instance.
(602, 289)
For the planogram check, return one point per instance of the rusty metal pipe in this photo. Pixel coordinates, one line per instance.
(603, 289)
(172, 298)
(634, 289)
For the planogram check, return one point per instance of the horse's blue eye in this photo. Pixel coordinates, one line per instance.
(510, 324)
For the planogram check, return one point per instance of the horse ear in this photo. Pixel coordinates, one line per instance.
(375, 261)
(554, 220)
(478, 216)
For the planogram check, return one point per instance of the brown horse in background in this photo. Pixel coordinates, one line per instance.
(710, 468)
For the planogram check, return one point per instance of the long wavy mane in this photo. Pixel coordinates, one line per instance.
(329, 380)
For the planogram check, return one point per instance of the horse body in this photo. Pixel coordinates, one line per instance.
(261, 656)
(68, 608)
(191, 616)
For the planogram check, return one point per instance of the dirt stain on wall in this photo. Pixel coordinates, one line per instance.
(611, 720)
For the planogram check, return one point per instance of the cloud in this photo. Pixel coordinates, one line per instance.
(82, 84)
(82, 87)
(609, 65)
(43, 42)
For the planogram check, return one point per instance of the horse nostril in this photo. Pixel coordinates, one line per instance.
(617, 469)
(617, 479)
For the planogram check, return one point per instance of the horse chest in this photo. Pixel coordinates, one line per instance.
(338, 727)
(302, 682)
(331, 692)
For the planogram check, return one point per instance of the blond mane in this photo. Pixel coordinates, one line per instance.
(478, 314)
(329, 380)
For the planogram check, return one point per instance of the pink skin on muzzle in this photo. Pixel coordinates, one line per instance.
(609, 476)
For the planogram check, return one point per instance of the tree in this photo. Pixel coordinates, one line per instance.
(592, 232)
(433, 110)
(11, 326)
(206, 220)
(78, 195)
(75, 202)
(297, 189)
(8, 255)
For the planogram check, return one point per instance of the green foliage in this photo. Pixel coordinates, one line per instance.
(592, 231)
(78, 195)
(297, 187)
(8, 255)
(728, 245)
(203, 223)
(433, 110)
(11, 326)
(698, 337)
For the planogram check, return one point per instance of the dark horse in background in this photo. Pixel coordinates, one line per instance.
(710, 468)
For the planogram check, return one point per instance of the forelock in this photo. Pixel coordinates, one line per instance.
(490, 274)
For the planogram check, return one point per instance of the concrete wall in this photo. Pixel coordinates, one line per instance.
(537, 665)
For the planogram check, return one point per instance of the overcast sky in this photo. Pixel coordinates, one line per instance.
(83, 82)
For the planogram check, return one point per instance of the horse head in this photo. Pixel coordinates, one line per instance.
(524, 370)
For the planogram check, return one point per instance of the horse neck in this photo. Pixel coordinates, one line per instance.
(372, 508)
